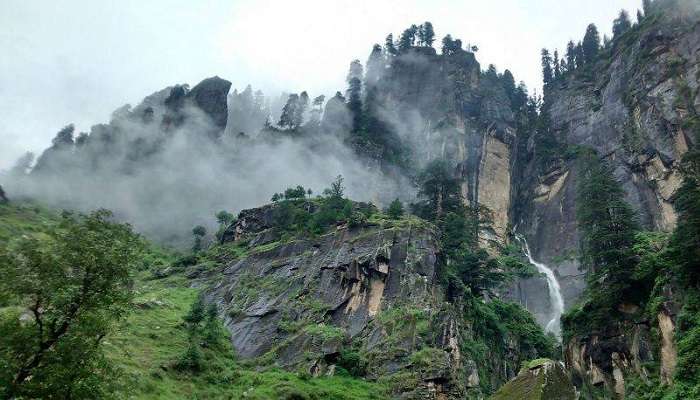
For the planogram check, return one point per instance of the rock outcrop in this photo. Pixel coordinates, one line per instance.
(638, 108)
(539, 380)
(304, 303)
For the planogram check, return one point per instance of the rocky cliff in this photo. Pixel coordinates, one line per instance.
(638, 108)
(366, 298)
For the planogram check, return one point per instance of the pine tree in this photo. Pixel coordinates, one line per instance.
(621, 24)
(316, 110)
(389, 46)
(199, 232)
(646, 6)
(591, 44)
(289, 111)
(607, 225)
(354, 94)
(439, 191)
(375, 66)
(427, 34)
(570, 56)
(556, 65)
(580, 57)
(508, 82)
(300, 109)
(395, 210)
(547, 74)
(685, 243)
(640, 16)
(408, 38)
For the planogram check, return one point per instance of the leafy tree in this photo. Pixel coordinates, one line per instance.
(591, 44)
(547, 74)
(621, 24)
(199, 232)
(295, 193)
(75, 283)
(450, 46)
(224, 217)
(395, 209)
(337, 189)
(427, 34)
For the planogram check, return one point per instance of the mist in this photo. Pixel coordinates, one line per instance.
(164, 180)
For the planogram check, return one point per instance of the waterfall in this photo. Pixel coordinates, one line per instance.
(555, 298)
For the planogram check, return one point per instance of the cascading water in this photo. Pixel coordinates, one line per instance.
(556, 300)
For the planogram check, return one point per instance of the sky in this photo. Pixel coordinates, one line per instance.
(77, 61)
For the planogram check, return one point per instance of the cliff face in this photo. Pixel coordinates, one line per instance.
(636, 108)
(372, 290)
(443, 106)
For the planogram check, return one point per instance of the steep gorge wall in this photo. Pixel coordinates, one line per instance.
(638, 108)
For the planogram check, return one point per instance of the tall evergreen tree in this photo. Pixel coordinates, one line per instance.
(607, 225)
(408, 38)
(439, 191)
(354, 94)
(646, 6)
(555, 64)
(580, 57)
(389, 46)
(591, 44)
(570, 56)
(300, 109)
(547, 74)
(289, 111)
(316, 110)
(427, 34)
(508, 83)
(621, 24)
(375, 66)
(685, 243)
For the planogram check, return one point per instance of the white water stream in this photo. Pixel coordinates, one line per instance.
(555, 299)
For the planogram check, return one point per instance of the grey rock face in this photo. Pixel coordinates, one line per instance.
(633, 110)
(371, 289)
(210, 96)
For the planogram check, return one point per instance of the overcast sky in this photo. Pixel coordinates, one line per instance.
(72, 61)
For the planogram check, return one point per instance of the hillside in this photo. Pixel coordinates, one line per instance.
(441, 233)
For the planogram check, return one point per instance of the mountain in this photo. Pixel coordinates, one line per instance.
(565, 220)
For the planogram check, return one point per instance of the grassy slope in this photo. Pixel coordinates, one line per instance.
(145, 345)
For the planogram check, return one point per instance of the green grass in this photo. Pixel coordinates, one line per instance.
(23, 219)
(148, 343)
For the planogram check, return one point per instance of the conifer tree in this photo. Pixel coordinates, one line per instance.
(607, 225)
(427, 34)
(287, 118)
(300, 109)
(621, 24)
(570, 56)
(547, 74)
(555, 64)
(354, 94)
(591, 44)
(389, 46)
